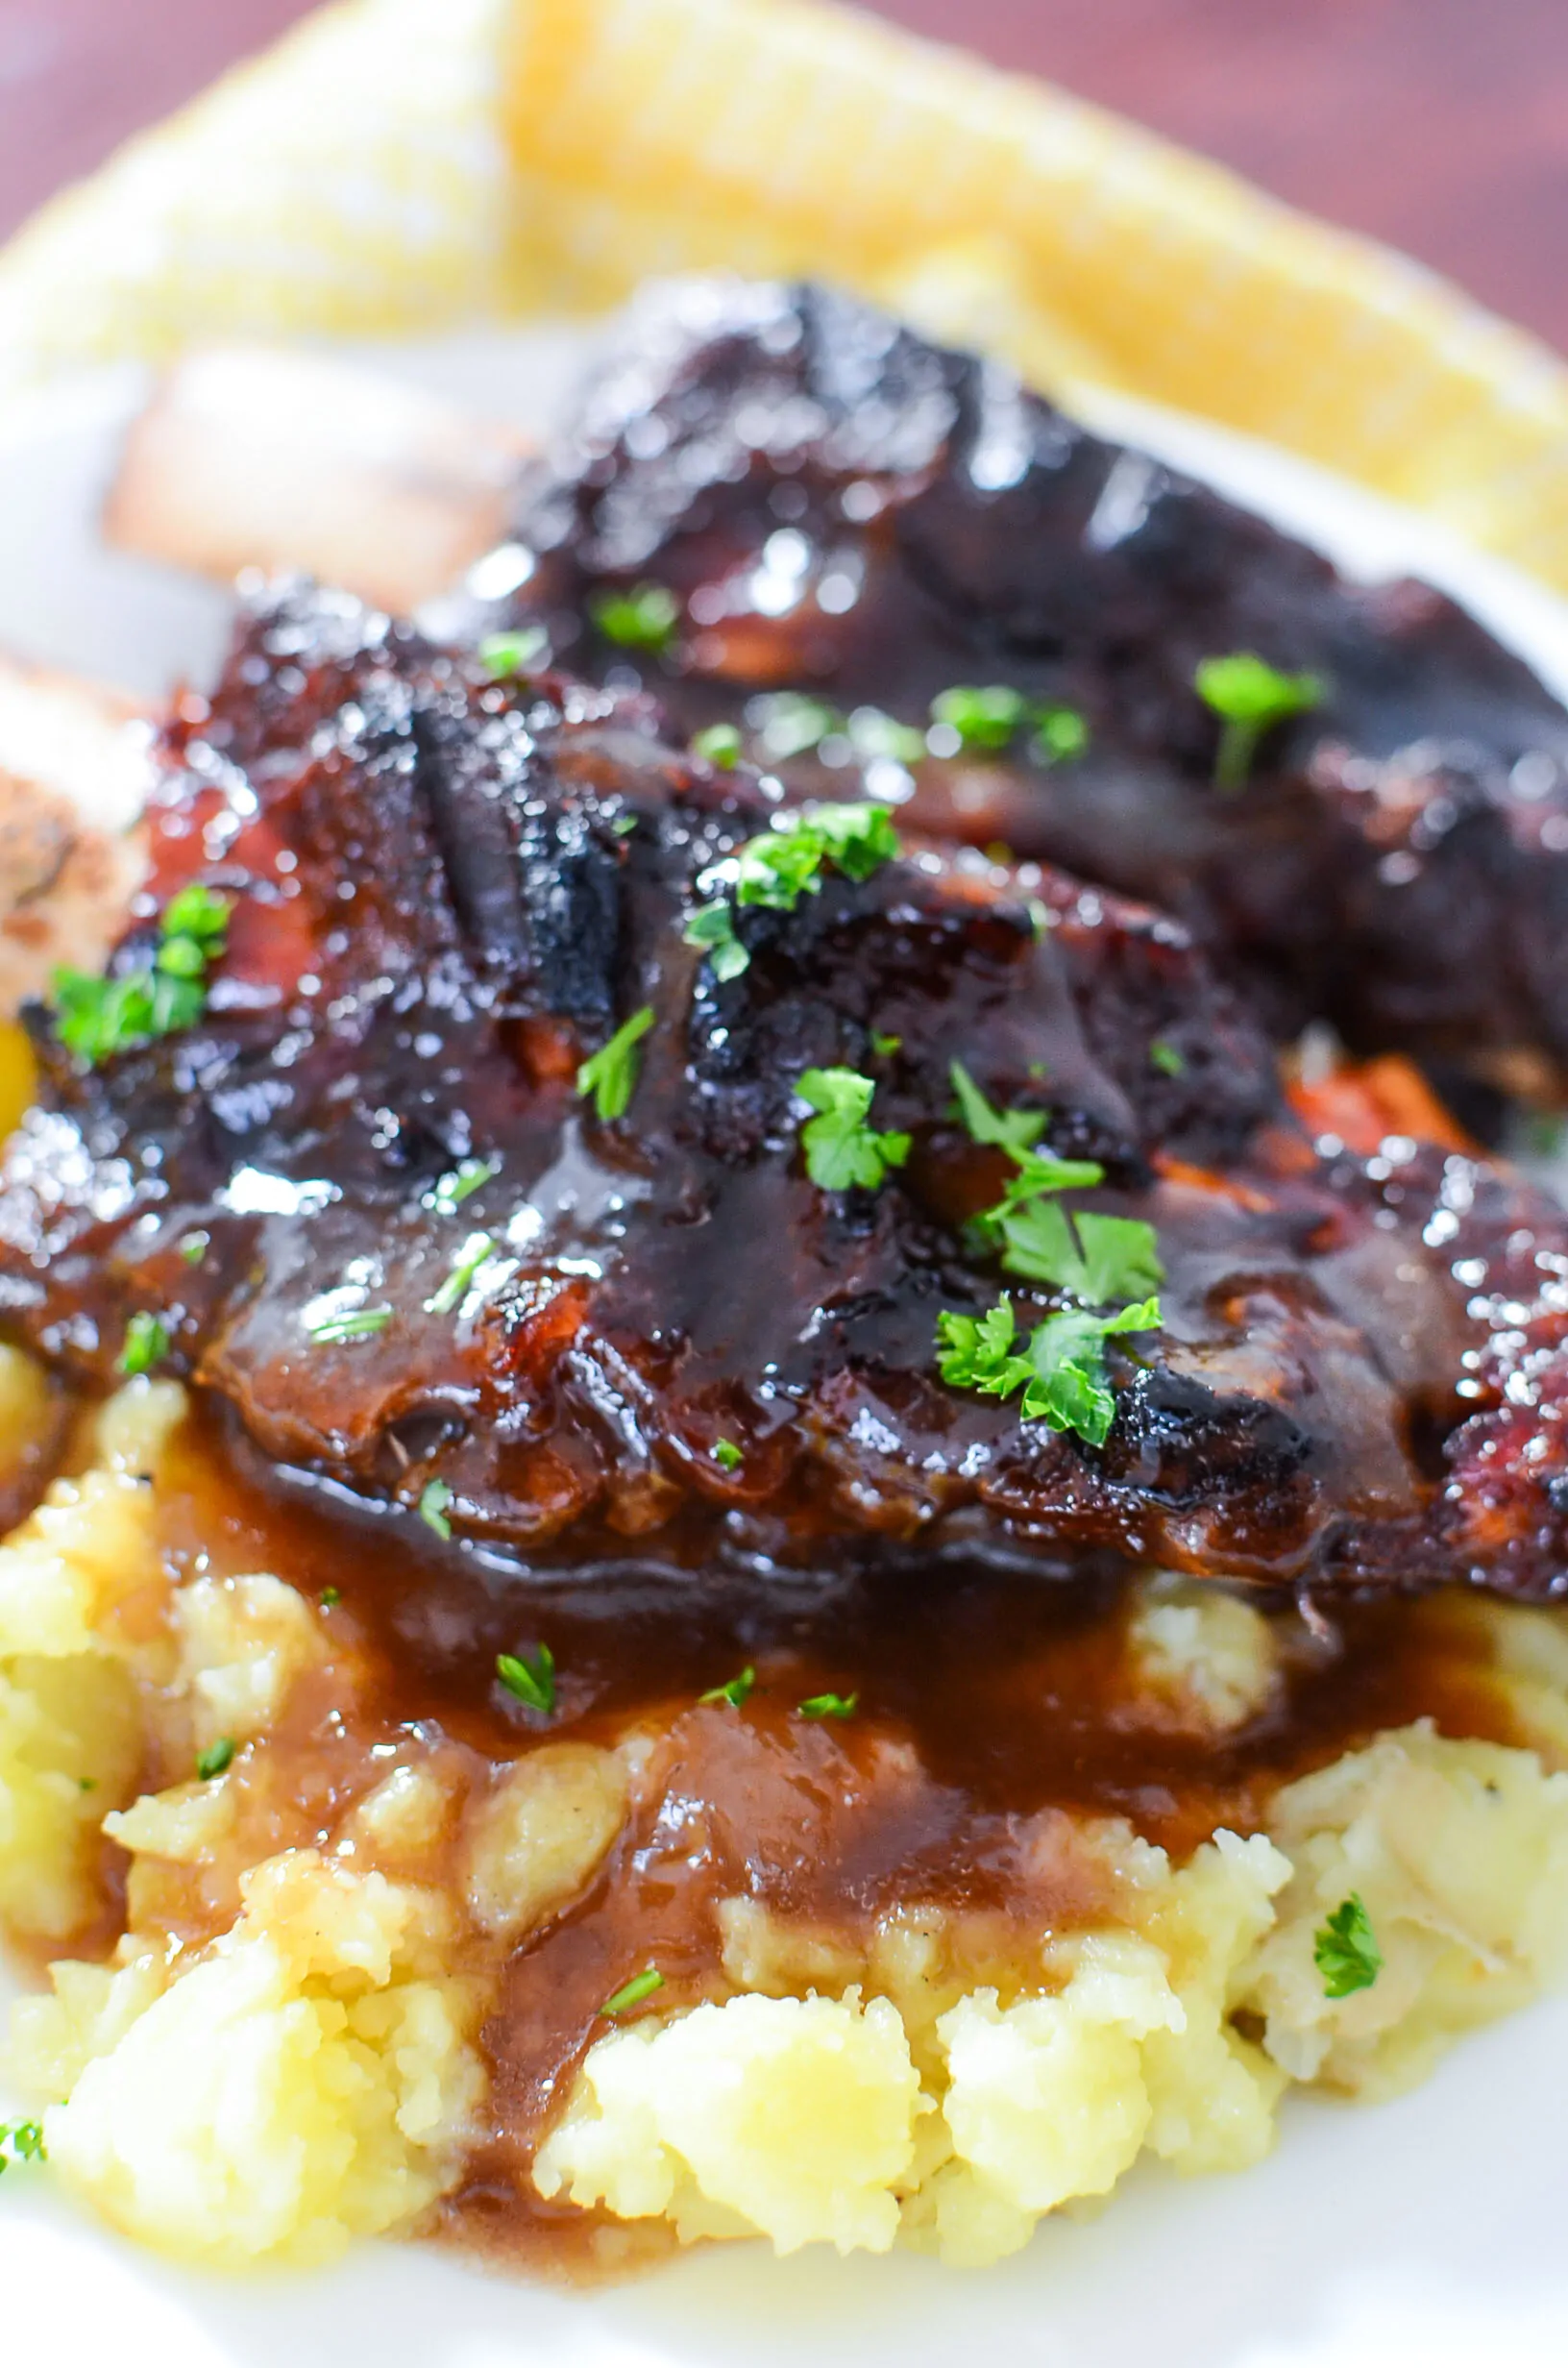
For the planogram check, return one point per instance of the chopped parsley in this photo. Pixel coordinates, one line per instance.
(727, 1455)
(216, 1758)
(829, 1706)
(1010, 1130)
(455, 1290)
(449, 1191)
(1250, 697)
(1166, 1057)
(197, 913)
(794, 723)
(873, 735)
(885, 1046)
(1040, 1173)
(506, 656)
(712, 927)
(1060, 734)
(632, 1993)
(610, 1074)
(21, 2141)
(791, 722)
(434, 1499)
(735, 1692)
(532, 1681)
(1095, 1258)
(1345, 1950)
(332, 1326)
(782, 865)
(194, 1248)
(97, 1017)
(840, 1148)
(645, 619)
(146, 1344)
(719, 744)
(1061, 1371)
(786, 862)
(984, 718)
(329, 1597)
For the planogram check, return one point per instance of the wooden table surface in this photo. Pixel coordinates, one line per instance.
(1440, 125)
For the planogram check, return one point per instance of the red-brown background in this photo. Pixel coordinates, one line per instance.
(1440, 125)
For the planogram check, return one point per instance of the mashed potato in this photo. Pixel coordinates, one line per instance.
(309, 2075)
(1460, 1853)
(283, 2051)
(309, 2079)
(790, 2116)
(1121, 2042)
(1202, 1658)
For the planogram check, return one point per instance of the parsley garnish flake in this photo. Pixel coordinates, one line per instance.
(332, 1326)
(453, 1291)
(780, 866)
(146, 1344)
(712, 927)
(1345, 1950)
(840, 1148)
(1060, 734)
(1250, 697)
(1061, 1369)
(1096, 1258)
(434, 1499)
(785, 863)
(531, 1680)
(719, 745)
(735, 1692)
(645, 619)
(793, 723)
(984, 718)
(25, 2141)
(632, 1993)
(449, 1191)
(727, 1455)
(506, 656)
(1010, 1130)
(97, 1017)
(216, 1758)
(829, 1705)
(610, 1074)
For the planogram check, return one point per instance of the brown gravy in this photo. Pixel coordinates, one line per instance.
(989, 1704)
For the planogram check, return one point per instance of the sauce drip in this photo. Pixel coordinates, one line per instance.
(996, 1710)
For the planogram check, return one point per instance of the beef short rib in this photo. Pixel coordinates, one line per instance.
(371, 1212)
(842, 510)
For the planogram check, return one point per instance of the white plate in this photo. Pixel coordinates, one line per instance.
(1428, 2229)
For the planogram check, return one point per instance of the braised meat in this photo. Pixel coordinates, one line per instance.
(359, 1188)
(840, 509)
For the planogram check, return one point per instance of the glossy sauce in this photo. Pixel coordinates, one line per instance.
(995, 1711)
